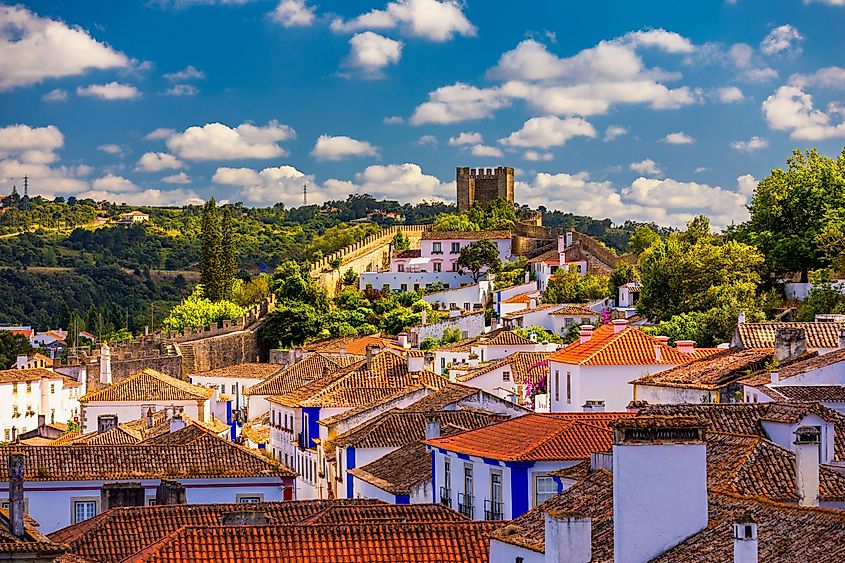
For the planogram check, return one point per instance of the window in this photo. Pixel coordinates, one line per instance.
(467, 306)
(456, 248)
(403, 287)
(557, 385)
(468, 479)
(438, 267)
(506, 376)
(14, 388)
(83, 509)
(568, 388)
(416, 287)
(52, 416)
(29, 387)
(545, 488)
(494, 509)
(249, 498)
(436, 248)
(151, 501)
(400, 267)
(447, 472)
(52, 388)
(7, 434)
(4, 503)
(305, 441)
(442, 363)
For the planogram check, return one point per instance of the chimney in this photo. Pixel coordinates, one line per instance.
(423, 317)
(402, 337)
(807, 465)
(619, 325)
(150, 418)
(657, 350)
(685, 346)
(105, 364)
(745, 539)
(635, 406)
(428, 359)
(432, 425)
(789, 344)
(170, 492)
(113, 495)
(775, 375)
(42, 422)
(177, 423)
(647, 517)
(342, 351)
(371, 351)
(586, 333)
(44, 391)
(106, 422)
(472, 361)
(16, 499)
(416, 363)
(245, 518)
(568, 537)
(527, 277)
(21, 361)
(593, 406)
(533, 337)
(532, 303)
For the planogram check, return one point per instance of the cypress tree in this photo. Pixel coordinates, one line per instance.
(228, 263)
(210, 251)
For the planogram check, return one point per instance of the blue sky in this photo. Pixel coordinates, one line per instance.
(629, 110)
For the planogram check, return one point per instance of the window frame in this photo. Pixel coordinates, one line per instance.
(78, 500)
(246, 498)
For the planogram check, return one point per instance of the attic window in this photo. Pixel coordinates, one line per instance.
(506, 376)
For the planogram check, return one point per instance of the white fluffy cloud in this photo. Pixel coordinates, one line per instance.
(466, 138)
(829, 77)
(459, 102)
(339, 147)
(791, 109)
(293, 13)
(110, 91)
(187, 73)
(370, 52)
(667, 41)
(747, 184)
(485, 150)
(216, 141)
(549, 131)
(268, 186)
(180, 178)
(182, 90)
(666, 201)
(751, 145)
(614, 132)
(158, 161)
(647, 166)
(114, 184)
(782, 39)
(402, 181)
(535, 156)
(33, 49)
(160, 133)
(679, 138)
(35, 145)
(57, 95)
(729, 94)
(436, 20)
(116, 150)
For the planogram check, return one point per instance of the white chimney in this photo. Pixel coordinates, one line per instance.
(177, 423)
(775, 377)
(807, 465)
(685, 346)
(105, 364)
(21, 361)
(568, 537)
(416, 364)
(472, 361)
(341, 351)
(423, 317)
(593, 406)
(741, 318)
(657, 350)
(432, 425)
(619, 325)
(586, 333)
(533, 337)
(402, 338)
(745, 540)
(44, 388)
(656, 459)
(532, 303)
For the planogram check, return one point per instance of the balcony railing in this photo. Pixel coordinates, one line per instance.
(494, 510)
(446, 496)
(466, 506)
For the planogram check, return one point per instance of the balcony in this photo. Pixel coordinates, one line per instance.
(466, 505)
(494, 510)
(446, 497)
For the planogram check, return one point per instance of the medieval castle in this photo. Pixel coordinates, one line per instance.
(483, 185)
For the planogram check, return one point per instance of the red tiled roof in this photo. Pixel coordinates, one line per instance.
(629, 346)
(536, 437)
(150, 385)
(301, 373)
(521, 298)
(524, 367)
(713, 372)
(248, 370)
(353, 345)
(416, 253)
(577, 310)
(503, 338)
(819, 393)
(762, 335)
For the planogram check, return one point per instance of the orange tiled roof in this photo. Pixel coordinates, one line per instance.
(762, 335)
(150, 385)
(34, 374)
(629, 346)
(466, 235)
(536, 437)
(118, 533)
(713, 372)
(581, 310)
(524, 367)
(248, 370)
(521, 298)
(354, 345)
(504, 338)
(301, 373)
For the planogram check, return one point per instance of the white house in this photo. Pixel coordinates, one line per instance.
(600, 365)
(147, 390)
(507, 377)
(68, 484)
(28, 394)
(628, 295)
(232, 381)
(501, 471)
(469, 297)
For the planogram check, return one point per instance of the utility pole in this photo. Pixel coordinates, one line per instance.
(26, 186)
(304, 194)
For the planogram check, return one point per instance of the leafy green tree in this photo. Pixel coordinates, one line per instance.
(350, 278)
(542, 334)
(292, 282)
(291, 325)
(823, 297)
(686, 326)
(197, 311)
(479, 255)
(451, 334)
(401, 242)
(568, 286)
(454, 222)
(642, 239)
(12, 346)
(624, 272)
(791, 210)
(256, 290)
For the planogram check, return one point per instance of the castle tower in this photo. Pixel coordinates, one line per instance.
(483, 185)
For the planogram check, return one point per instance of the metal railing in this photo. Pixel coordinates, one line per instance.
(466, 506)
(494, 510)
(446, 496)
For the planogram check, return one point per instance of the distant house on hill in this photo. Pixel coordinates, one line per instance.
(133, 217)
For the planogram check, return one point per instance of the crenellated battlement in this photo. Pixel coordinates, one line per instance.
(483, 185)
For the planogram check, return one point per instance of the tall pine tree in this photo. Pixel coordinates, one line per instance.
(210, 251)
(228, 262)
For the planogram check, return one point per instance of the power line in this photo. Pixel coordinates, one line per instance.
(304, 194)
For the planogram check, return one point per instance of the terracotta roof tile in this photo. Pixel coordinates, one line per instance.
(209, 457)
(628, 346)
(353, 345)
(540, 307)
(149, 385)
(762, 335)
(35, 374)
(301, 373)
(118, 533)
(524, 367)
(521, 298)
(398, 472)
(713, 372)
(448, 395)
(249, 370)
(536, 437)
(576, 310)
(819, 393)
(257, 430)
(466, 235)
(415, 253)
(503, 338)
